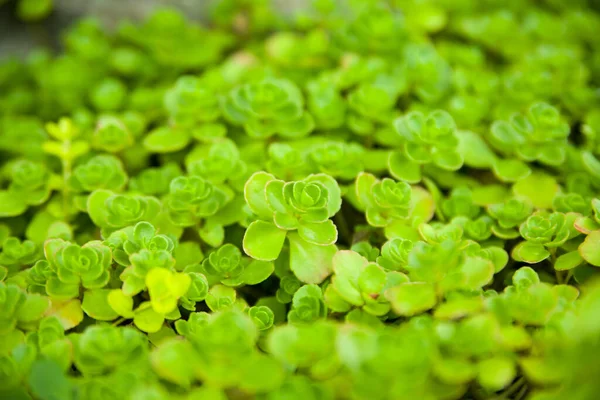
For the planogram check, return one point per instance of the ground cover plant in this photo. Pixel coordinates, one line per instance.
(360, 200)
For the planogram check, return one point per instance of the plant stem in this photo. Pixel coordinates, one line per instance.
(342, 225)
(512, 389)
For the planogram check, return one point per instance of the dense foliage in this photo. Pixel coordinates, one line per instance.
(363, 200)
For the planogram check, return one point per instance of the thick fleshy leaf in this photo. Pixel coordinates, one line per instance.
(320, 233)
(263, 240)
(95, 304)
(11, 204)
(537, 188)
(496, 373)
(403, 169)
(475, 150)
(309, 262)
(568, 261)
(167, 140)
(68, 312)
(148, 320)
(412, 298)
(529, 252)
(590, 248)
(255, 194)
(511, 170)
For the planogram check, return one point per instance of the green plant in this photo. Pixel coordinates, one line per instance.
(363, 200)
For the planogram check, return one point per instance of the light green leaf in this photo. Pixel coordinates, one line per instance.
(309, 262)
(263, 241)
(411, 298)
(529, 252)
(590, 248)
(95, 304)
(569, 260)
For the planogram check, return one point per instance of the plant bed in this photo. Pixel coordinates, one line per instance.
(358, 200)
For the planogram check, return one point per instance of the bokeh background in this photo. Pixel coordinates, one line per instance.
(18, 37)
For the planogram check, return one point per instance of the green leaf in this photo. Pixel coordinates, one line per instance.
(47, 381)
(95, 304)
(320, 233)
(11, 204)
(529, 252)
(167, 140)
(263, 241)
(165, 288)
(568, 261)
(120, 303)
(148, 320)
(174, 360)
(454, 371)
(496, 373)
(412, 298)
(475, 150)
(590, 248)
(403, 169)
(511, 170)
(68, 312)
(257, 271)
(255, 194)
(309, 262)
(539, 189)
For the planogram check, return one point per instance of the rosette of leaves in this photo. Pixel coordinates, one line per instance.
(229, 359)
(262, 316)
(460, 204)
(268, 107)
(509, 216)
(571, 202)
(299, 55)
(530, 301)
(305, 206)
(16, 253)
(435, 269)
(102, 349)
(192, 198)
(384, 201)
(394, 254)
(68, 267)
(112, 211)
(99, 172)
(172, 41)
(112, 134)
(338, 159)
(308, 305)
(373, 29)
(288, 285)
(29, 186)
(426, 140)
(140, 248)
(428, 74)
(20, 311)
(217, 162)
(326, 104)
(287, 161)
(227, 266)
(155, 181)
(50, 341)
(371, 104)
(356, 282)
(190, 102)
(539, 135)
(543, 233)
(289, 344)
